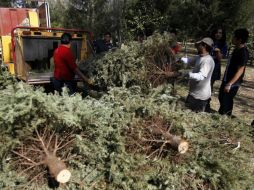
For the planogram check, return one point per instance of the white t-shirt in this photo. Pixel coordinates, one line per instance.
(202, 89)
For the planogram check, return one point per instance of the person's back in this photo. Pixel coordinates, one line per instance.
(65, 67)
(64, 63)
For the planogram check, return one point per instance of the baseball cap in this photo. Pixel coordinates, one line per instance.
(207, 41)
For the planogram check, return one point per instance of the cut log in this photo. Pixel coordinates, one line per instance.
(32, 156)
(63, 176)
(57, 168)
(178, 143)
(175, 141)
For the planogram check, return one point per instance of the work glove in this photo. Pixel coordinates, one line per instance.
(184, 74)
(177, 74)
(184, 60)
(182, 63)
(90, 81)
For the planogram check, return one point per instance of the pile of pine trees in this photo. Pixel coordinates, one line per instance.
(146, 64)
(127, 139)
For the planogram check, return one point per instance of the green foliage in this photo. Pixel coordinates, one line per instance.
(5, 78)
(98, 16)
(132, 64)
(192, 18)
(101, 161)
(6, 3)
(125, 18)
(8, 173)
(122, 67)
(143, 16)
(56, 14)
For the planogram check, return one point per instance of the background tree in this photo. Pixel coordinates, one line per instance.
(5, 3)
(124, 18)
(98, 16)
(57, 13)
(193, 18)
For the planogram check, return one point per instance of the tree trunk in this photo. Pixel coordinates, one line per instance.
(57, 168)
(175, 141)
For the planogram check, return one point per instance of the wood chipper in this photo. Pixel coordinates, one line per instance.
(33, 48)
(28, 43)
(13, 17)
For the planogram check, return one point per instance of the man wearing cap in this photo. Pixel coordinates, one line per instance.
(65, 66)
(200, 77)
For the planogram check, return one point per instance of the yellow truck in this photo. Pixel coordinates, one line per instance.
(28, 43)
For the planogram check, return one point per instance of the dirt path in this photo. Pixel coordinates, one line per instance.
(244, 101)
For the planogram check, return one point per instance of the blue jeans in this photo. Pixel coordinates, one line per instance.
(59, 84)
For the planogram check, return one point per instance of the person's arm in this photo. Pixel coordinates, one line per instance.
(189, 61)
(224, 51)
(241, 67)
(196, 76)
(81, 75)
(205, 68)
(234, 79)
(73, 66)
(217, 54)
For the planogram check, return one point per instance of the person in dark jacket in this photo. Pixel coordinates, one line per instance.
(103, 45)
(220, 49)
(218, 52)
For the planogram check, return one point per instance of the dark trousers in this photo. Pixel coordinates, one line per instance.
(208, 105)
(195, 104)
(227, 99)
(59, 84)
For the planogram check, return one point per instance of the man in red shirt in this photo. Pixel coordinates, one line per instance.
(65, 66)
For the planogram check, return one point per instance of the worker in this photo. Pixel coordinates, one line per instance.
(175, 46)
(219, 51)
(200, 77)
(65, 67)
(140, 37)
(234, 72)
(104, 44)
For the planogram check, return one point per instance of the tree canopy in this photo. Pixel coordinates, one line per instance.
(192, 18)
(125, 18)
